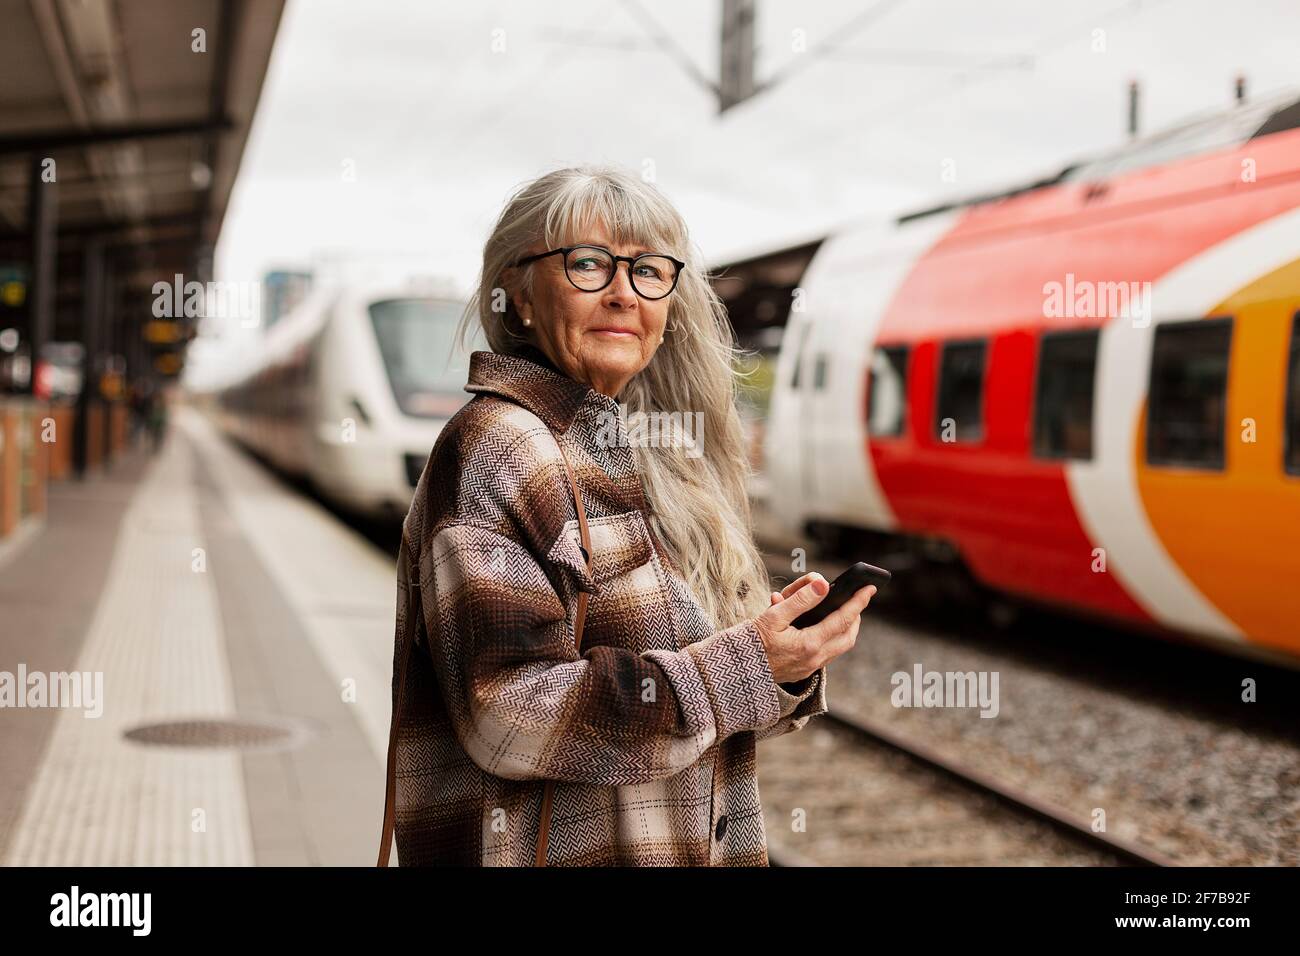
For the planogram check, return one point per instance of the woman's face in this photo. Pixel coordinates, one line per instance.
(600, 338)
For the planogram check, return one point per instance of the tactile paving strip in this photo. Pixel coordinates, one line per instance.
(98, 799)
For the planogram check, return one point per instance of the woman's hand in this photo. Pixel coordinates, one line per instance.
(794, 653)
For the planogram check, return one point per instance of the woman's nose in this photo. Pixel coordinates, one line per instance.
(621, 285)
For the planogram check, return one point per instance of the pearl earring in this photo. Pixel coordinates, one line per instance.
(528, 321)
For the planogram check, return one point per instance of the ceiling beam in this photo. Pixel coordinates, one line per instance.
(61, 139)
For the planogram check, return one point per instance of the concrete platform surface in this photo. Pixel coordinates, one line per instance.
(187, 586)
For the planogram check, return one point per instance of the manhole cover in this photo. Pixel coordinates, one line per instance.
(260, 734)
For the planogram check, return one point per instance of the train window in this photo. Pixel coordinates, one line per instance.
(887, 391)
(1293, 401)
(1067, 363)
(819, 373)
(799, 356)
(416, 338)
(959, 413)
(1187, 399)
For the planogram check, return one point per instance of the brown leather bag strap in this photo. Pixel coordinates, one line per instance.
(581, 619)
(390, 786)
(390, 790)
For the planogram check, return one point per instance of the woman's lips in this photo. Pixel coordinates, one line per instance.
(615, 333)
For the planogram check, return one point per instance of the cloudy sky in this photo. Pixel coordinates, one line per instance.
(392, 132)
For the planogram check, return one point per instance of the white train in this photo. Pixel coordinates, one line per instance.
(350, 391)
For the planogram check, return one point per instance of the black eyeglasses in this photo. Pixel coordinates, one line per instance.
(591, 268)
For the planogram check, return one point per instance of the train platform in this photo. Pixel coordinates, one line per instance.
(243, 637)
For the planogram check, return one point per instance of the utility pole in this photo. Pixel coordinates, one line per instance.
(736, 80)
(1132, 109)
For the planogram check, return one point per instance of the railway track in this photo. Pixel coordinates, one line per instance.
(868, 795)
(898, 802)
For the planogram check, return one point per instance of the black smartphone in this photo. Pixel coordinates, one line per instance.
(849, 583)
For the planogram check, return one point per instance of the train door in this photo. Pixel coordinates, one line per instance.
(783, 451)
(817, 418)
(838, 486)
(824, 459)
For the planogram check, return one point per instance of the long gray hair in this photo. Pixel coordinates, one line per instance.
(698, 503)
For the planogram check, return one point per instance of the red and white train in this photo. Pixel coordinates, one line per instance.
(1087, 391)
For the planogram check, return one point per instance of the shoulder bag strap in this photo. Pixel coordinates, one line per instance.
(390, 786)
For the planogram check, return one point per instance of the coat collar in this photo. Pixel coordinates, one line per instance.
(528, 378)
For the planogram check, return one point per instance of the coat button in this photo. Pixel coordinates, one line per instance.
(721, 828)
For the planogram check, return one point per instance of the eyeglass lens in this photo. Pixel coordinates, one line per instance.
(592, 269)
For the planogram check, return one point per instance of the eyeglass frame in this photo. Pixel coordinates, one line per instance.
(630, 260)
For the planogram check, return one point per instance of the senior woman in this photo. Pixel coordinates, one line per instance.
(561, 705)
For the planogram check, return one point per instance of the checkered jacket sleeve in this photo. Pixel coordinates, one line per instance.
(526, 705)
(800, 701)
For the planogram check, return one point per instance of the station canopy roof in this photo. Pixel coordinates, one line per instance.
(144, 108)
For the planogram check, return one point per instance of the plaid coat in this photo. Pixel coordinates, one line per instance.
(649, 732)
